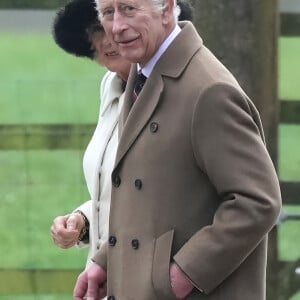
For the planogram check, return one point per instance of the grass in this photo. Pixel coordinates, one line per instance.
(36, 56)
(48, 183)
(289, 154)
(288, 65)
(41, 84)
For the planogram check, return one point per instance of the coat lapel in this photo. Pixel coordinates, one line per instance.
(134, 117)
(127, 98)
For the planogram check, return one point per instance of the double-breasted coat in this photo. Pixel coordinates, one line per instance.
(193, 183)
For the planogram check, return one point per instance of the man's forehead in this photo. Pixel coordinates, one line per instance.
(104, 3)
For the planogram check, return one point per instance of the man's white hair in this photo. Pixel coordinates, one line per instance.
(161, 4)
(158, 4)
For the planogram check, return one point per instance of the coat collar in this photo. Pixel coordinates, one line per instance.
(113, 93)
(171, 64)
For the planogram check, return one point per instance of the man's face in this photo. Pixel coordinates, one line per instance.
(136, 26)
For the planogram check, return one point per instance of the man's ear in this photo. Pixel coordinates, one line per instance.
(168, 12)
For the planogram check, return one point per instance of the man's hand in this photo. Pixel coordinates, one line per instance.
(65, 230)
(91, 284)
(180, 284)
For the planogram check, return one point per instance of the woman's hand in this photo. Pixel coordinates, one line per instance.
(65, 230)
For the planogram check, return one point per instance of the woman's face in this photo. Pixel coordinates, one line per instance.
(108, 55)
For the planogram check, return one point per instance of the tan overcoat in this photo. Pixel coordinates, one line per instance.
(193, 183)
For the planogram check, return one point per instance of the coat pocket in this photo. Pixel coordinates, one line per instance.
(161, 266)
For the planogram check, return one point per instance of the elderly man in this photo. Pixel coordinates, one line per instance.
(195, 192)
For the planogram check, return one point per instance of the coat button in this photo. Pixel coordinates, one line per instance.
(135, 244)
(138, 184)
(112, 241)
(116, 181)
(153, 127)
(111, 298)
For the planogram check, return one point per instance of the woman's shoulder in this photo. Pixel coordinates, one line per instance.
(107, 79)
(111, 89)
(110, 82)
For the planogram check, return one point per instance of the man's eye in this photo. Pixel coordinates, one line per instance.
(107, 12)
(128, 10)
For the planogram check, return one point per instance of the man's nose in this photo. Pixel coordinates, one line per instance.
(119, 23)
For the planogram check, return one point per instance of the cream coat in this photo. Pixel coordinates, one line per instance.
(193, 183)
(98, 162)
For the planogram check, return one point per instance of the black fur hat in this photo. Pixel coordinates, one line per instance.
(72, 22)
(186, 11)
(71, 25)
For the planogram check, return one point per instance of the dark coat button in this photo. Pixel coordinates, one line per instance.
(112, 240)
(116, 181)
(111, 298)
(138, 184)
(135, 244)
(153, 127)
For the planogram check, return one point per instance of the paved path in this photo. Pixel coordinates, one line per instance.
(26, 21)
(289, 6)
(40, 21)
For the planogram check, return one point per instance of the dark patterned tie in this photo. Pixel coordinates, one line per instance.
(139, 83)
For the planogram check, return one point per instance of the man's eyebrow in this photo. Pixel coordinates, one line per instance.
(129, 2)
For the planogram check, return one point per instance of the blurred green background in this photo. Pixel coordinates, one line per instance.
(40, 84)
(32, 4)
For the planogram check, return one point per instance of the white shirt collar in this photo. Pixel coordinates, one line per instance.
(147, 69)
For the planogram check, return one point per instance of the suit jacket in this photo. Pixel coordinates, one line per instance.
(193, 183)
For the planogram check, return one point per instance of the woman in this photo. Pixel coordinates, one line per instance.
(81, 34)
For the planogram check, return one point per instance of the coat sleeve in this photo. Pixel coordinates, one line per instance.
(86, 208)
(100, 257)
(229, 147)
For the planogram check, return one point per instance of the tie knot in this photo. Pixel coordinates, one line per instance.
(139, 83)
(141, 79)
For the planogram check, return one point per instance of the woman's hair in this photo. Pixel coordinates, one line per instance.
(186, 10)
(75, 23)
